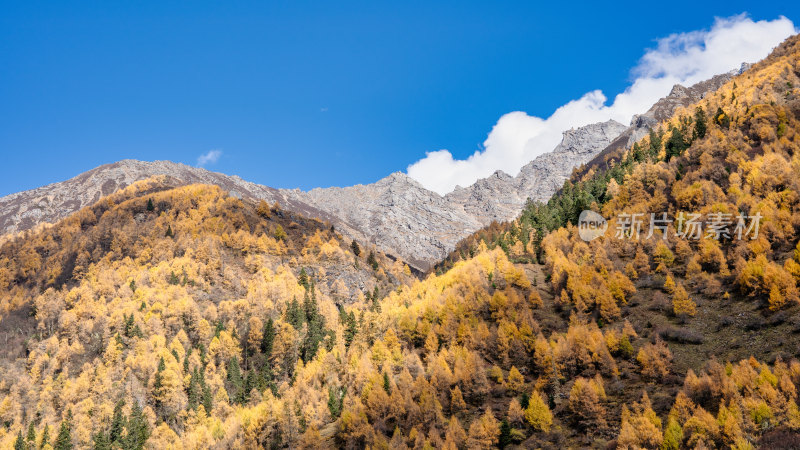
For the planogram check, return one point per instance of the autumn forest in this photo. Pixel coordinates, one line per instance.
(180, 316)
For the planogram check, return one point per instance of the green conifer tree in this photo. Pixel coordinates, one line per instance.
(158, 383)
(268, 338)
(64, 437)
(19, 443)
(372, 261)
(117, 423)
(700, 123)
(45, 440)
(235, 382)
(138, 429)
(101, 441)
(31, 436)
(387, 386)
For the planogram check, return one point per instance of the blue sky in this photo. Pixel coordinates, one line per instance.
(300, 94)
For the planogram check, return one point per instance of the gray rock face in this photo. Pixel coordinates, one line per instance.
(501, 197)
(540, 178)
(396, 214)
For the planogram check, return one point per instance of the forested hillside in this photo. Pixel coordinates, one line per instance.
(712, 296)
(163, 310)
(166, 317)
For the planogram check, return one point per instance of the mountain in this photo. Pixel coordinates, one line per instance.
(502, 197)
(50, 203)
(396, 214)
(193, 316)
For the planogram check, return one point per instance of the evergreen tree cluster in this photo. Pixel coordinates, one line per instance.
(128, 432)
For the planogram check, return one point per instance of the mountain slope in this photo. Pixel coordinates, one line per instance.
(51, 203)
(663, 109)
(704, 309)
(165, 317)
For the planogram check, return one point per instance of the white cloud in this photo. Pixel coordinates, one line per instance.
(210, 157)
(684, 58)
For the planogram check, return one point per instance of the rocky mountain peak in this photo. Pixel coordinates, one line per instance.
(396, 214)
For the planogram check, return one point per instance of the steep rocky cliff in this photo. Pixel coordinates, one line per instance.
(501, 196)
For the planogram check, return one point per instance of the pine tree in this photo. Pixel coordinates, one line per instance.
(376, 306)
(235, 382)
(19, 444)
(138, 429)
(268, 338)
(64, 438)
(208, 400)
(387, 386)
(248, 385)
(186, 360)
(524, 400)
(169, 232)
(355, 248)
(127, 325)
(700, 123)
(655, 145)
(194, 391)
(505, 434)
(302, 279)
(117, 423)
(150, 206)
(676, 143)
(315, 332)
(31, 436)
(350, 330)
(335, 401)
(45, 440)
(101, 441)
(372, 261)
(294, 315)
(158, 383)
